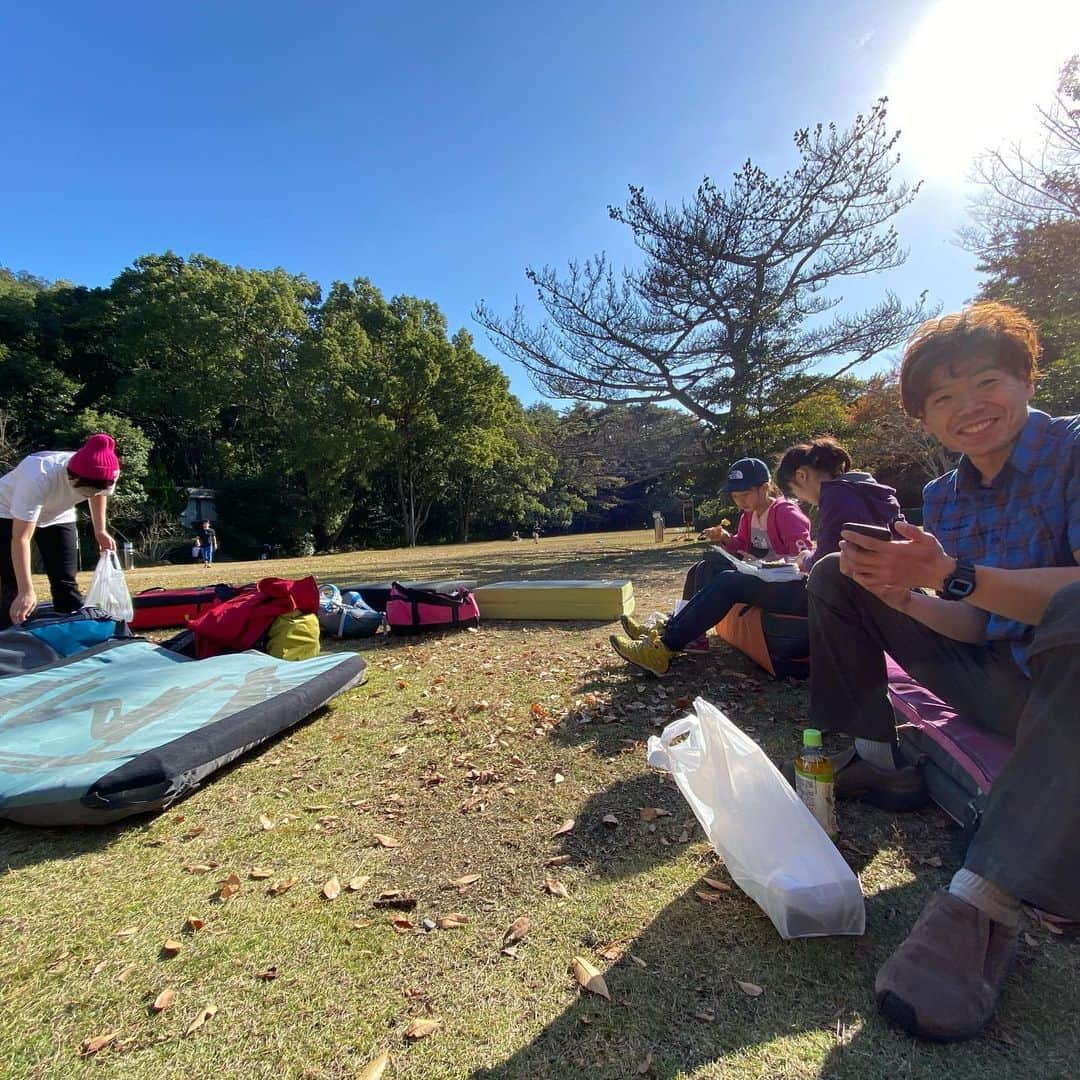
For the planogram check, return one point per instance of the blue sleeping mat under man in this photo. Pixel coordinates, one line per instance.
(107, 728)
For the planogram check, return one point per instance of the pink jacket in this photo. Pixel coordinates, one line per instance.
(786, 525)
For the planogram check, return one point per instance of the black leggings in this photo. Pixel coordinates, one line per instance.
(58, 545)
(710, 604)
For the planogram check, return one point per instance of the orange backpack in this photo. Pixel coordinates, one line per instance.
(778, 643)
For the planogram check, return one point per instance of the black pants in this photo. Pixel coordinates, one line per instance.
(729, 587)
(1026, 842)
(58, 545)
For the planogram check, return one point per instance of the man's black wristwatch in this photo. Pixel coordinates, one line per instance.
(960, 584)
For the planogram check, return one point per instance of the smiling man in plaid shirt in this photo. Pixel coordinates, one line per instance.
(1000, 643)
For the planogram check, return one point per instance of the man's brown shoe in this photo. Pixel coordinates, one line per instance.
(891, 789)
(944, 980)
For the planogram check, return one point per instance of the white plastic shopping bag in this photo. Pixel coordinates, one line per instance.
(108, 589)
(774, 848)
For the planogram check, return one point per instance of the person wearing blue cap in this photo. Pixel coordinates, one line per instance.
(771, 527)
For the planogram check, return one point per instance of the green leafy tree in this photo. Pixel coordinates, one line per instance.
(133, 448)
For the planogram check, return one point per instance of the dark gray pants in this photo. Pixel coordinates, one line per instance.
(1027, 840)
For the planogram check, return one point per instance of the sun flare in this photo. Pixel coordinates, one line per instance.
(971, 75)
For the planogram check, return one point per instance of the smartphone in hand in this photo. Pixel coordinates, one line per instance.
(878, 532)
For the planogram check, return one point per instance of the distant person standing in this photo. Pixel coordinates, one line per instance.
(37, 501)
(207, 542)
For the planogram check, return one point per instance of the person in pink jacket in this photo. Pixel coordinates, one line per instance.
(771, 528)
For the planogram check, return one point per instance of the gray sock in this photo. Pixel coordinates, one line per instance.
(876, 753)
(1001, 906)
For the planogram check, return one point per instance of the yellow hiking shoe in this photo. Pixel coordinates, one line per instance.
(649, 653)
(635, 631)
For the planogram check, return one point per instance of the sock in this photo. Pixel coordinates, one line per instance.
(991, 900)
(876, 753)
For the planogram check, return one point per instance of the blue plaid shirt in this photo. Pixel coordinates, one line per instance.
(1028, 517)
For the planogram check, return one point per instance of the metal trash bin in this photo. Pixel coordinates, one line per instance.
(129, 556)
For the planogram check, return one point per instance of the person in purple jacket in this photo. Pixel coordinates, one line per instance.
(771, 527)
(820, 473)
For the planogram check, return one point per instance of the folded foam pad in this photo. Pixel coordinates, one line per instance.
(127, 726)
(605, 600)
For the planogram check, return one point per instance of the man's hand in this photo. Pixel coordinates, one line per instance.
(22, 607)
(917, 561)
(105, 541)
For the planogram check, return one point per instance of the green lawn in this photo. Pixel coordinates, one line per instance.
(455, 748)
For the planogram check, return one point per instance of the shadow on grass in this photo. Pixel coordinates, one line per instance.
(676, 1003)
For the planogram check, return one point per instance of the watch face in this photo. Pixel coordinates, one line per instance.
(959, 588)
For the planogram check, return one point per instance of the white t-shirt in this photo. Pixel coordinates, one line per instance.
(38, 489)
(759, 537)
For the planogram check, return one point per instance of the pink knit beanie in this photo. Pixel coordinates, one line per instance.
(96, 459)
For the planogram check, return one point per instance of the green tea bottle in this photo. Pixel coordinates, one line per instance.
(814, 782)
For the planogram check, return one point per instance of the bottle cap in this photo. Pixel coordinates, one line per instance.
(811, 737)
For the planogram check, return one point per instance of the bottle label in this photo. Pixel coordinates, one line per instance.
(819, 797)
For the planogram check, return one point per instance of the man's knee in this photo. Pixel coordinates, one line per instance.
(825, 580)
(1061, 621)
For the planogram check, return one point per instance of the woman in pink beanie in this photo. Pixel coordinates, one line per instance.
(37, 500)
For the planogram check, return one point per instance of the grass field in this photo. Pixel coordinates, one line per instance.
(469, 751)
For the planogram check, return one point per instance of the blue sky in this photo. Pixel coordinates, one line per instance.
(439, 149)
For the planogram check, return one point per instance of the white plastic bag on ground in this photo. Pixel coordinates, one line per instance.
(774, 848)
(108, 588)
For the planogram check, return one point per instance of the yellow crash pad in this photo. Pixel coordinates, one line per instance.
(604, 600)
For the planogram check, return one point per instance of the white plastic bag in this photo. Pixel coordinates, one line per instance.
(774, 848)
(108, 589)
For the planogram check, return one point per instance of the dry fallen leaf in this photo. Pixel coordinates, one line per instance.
(719, 886)
(199, 868)
(612, 952)
(97, 1042)
(421, 1029)
(284, 885)
(610, 821)
(332, 889)
(454, 921)
(646, 1065)
(357, 883)
(382, 840)
(128, 931)
(260, 873)
(163, 1000)
(564, 828)
(126, 973)
(267, 974)
(265, 822)
(401, 926)
(556, 888)
(558, 860)
(171, 947)
(750, 989)
(463, 883)
(229, 888)
(518, 929)
(201, 1018)
(651, 813)
(395, 898)
(589, 977)
(707, 896)
(376, 1067)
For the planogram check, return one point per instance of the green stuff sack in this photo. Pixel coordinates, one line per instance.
(294, 637)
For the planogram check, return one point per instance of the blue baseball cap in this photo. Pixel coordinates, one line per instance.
(747, 473)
